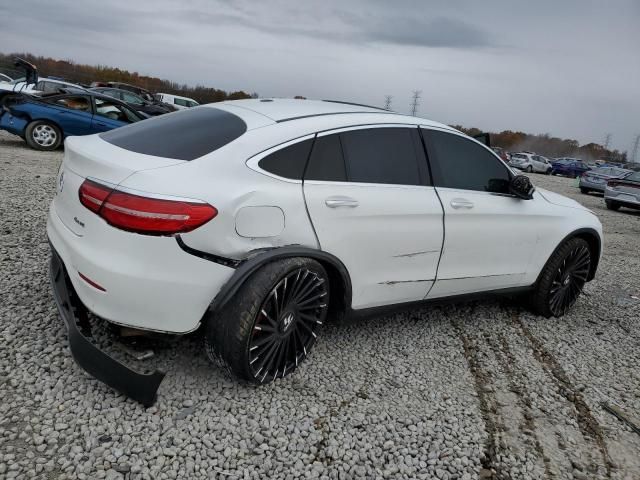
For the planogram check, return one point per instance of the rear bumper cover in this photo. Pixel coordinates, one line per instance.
(138, 386)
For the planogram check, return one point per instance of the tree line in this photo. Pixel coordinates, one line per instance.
(549, 146)
(85, 74)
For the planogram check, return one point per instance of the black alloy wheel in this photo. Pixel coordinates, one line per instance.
(569, 280)
(271, 324)
(285, 328)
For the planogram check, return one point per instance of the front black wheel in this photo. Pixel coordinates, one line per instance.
(611, 205)
(272, 323)
(529, 169)
(562, 278)
(584, 190)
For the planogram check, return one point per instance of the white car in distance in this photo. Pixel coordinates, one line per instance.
(177, 101)
(261, 219)
(530, 162)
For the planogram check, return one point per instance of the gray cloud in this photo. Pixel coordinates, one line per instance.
(567, 68)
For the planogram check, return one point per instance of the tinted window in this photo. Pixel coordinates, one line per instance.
(289, 161)
(457, 162)
(114, 111)
(180, 101)
(326, 162)
(183, 135)
(381, 155)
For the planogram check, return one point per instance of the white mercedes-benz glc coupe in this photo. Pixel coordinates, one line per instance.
(260, 219)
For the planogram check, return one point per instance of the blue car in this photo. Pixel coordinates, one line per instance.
(45, 121)
(569, 167)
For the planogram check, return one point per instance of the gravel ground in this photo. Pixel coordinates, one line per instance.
(479, 390)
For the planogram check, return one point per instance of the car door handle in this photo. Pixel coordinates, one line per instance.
(101, 124)
(335, 202)
(461, 203)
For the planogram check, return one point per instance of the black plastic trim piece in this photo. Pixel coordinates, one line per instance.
(400, 307)
(356, 104)
(249, 266)
(227, 262)
(325, 114)
(138, 386)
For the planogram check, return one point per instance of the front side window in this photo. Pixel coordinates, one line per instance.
(289, 161)
(114, 111)
(457, 162)
(381, 155)
(181, 102)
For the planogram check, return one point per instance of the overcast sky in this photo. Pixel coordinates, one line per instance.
(570, 68)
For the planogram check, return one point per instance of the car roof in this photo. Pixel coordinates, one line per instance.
(285, 110)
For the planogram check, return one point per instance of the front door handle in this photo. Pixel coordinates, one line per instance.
(461, 203)
(339, 201)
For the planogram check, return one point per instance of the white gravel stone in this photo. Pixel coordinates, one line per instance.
(453, 392)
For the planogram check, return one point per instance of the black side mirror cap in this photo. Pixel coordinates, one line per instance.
(521, 187)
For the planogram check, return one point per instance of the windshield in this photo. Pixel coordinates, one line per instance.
(634, 177)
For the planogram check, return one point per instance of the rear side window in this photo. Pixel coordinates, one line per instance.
(183, 135)
(457, 162)
(381, 155)
(326, 162)
(288, 162)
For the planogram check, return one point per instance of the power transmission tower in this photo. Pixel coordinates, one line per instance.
(387, 102)
(607, 141)
(634, 149)
(414, 102)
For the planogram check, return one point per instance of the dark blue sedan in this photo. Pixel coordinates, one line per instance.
(569, 167)
(45, 121)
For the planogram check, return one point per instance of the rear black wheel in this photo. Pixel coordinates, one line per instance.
(272, 323)
(584, 190)
(529, 169)
(611, 205)
(562, 278)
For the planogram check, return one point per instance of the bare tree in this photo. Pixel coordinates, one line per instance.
(387, 102)
(415, 102)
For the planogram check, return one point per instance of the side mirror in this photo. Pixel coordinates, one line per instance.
(521, 187)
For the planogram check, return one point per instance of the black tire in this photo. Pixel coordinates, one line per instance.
(584, 190)
(611, 205)
(43, 135)
(548, 172)
(562, 278)
(259, 336)
(529, 169)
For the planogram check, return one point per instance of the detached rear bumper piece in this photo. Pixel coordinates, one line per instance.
(138, 386)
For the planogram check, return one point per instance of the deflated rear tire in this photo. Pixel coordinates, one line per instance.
(562, 278)
(43, 135)
(272, 323)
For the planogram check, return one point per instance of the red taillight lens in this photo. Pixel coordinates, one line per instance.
(92, 195)
(151, 216)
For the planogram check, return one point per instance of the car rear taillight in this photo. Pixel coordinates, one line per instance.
(146, 215)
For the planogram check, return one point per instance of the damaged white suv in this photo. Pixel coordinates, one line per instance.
(261, 219)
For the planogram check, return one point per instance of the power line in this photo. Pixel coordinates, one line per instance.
(414, 102)
(387, 102)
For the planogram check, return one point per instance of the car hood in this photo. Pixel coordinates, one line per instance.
(560, 200)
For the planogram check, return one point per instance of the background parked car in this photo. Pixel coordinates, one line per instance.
(44, 85)
(177, 101)
(569, 167)
(596, 179)
(623, 192)
(135, 101)
(530, 162)
(5, 78)
(44, 122)
(501, 153)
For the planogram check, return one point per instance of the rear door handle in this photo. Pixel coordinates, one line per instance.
(461, 203)
(339, 201)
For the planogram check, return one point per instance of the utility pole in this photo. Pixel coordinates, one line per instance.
(414, 102)
(387, 102)
(634, 149)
